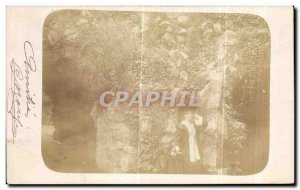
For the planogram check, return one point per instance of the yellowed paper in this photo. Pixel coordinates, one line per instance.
(159, 95)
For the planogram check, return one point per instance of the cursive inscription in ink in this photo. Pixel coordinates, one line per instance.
(19, 88)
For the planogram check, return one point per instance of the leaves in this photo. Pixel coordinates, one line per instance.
(87, 52)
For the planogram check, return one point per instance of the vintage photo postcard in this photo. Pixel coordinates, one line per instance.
(150, 95)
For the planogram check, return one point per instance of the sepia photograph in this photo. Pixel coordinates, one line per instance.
(224, 58)
(150, 95)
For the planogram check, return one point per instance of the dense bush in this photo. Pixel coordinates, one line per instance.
(87, 52)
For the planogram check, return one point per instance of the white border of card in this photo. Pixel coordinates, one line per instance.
(25, 164)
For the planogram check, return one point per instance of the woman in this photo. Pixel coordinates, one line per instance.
(188, 143)
(171, 155)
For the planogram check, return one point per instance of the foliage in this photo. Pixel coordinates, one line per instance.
(102, 50)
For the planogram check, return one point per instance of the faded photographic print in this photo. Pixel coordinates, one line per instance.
(155, 92)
